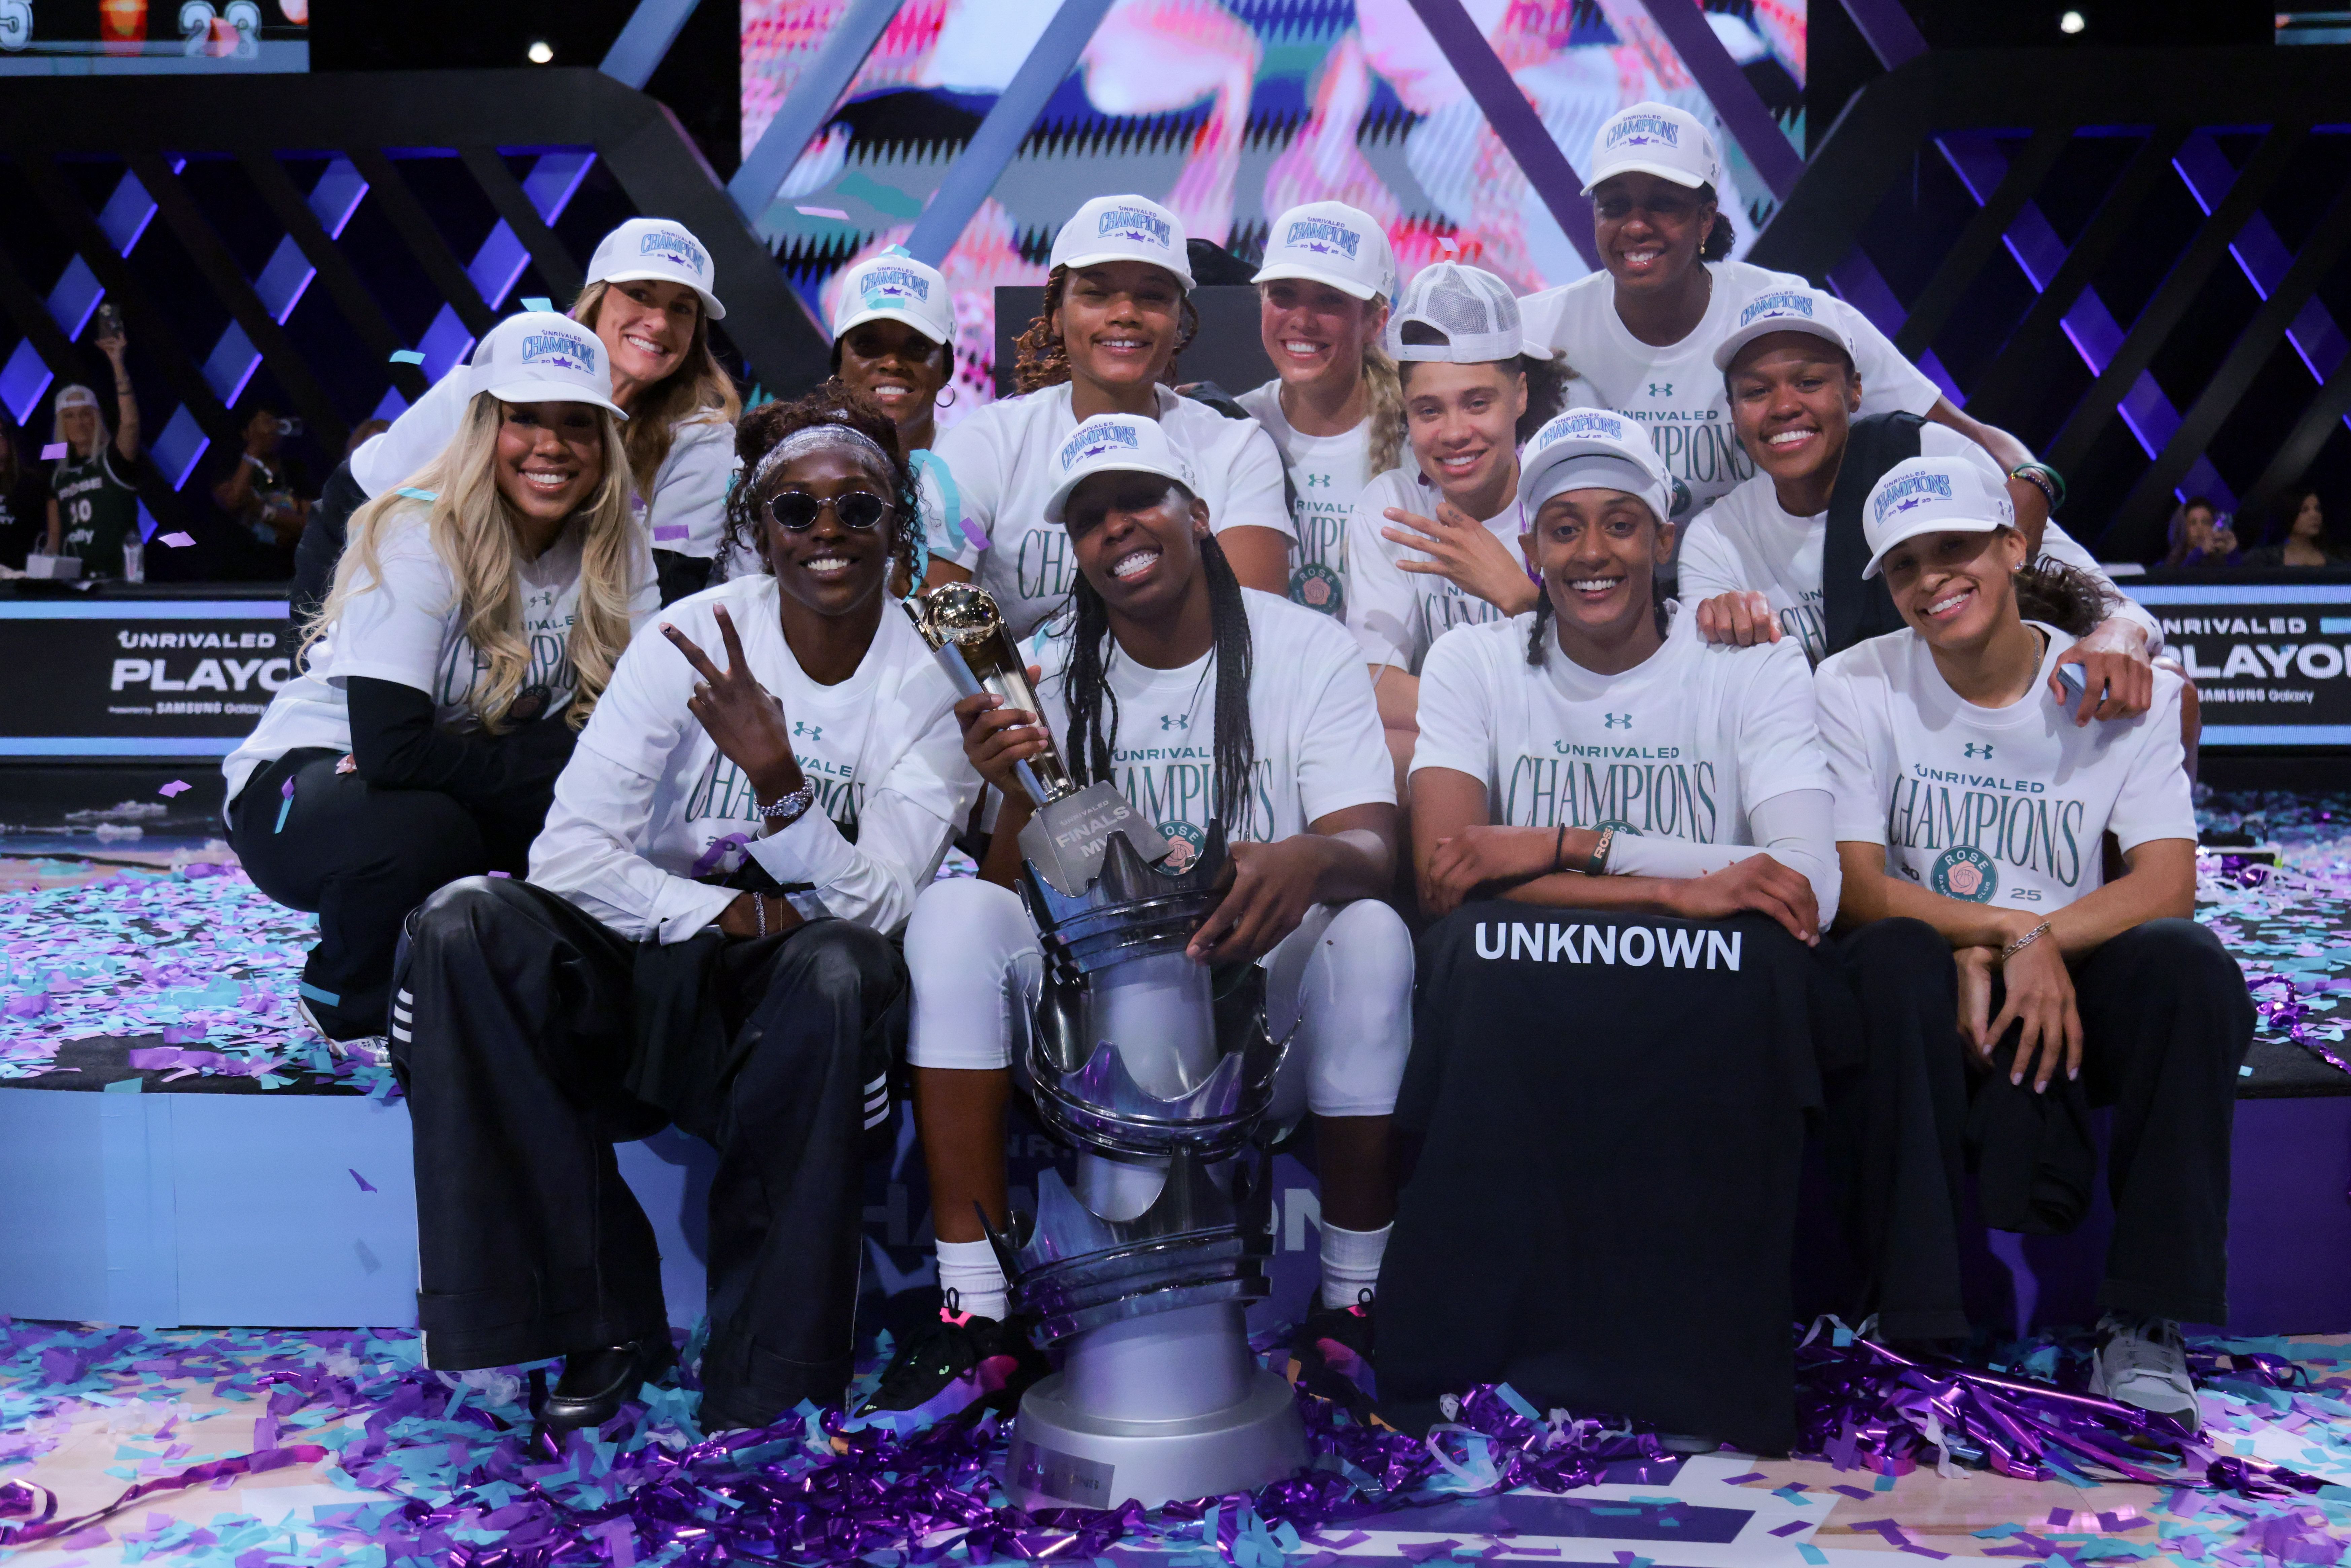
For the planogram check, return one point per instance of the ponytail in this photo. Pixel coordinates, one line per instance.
(1382, 411)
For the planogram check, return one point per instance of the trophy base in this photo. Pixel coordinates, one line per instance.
(1063, 1456)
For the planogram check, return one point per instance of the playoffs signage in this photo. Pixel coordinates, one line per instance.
(2272, 662)
(142, 677)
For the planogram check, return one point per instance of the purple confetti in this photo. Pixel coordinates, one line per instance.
(365, 1185)
(176, 787)
(1792, 1528)
(53, 451)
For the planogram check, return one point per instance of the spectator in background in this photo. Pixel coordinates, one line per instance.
(266, 492)
(93, 501)
(2304, 542)
(2200, 536)
(24, 494)
(363, 431)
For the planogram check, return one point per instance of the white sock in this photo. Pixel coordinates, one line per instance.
(1351, 1262)
(969, 1270)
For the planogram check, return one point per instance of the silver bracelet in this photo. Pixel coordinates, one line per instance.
(759, 913)
(2021, 943)
(792, 807)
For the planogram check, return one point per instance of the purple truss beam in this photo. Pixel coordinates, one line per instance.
(1734, 98)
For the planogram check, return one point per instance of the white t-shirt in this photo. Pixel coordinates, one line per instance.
(1746, 542)
(408, 628)
(1679, 746)
(1676, 391)
(687, 510)
(1002, 462)
(1397, 615)
(649, 802)
(1993, 805)
(1327, 472)
(1317, 733)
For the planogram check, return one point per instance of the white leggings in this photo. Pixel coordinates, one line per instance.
(1344, 977)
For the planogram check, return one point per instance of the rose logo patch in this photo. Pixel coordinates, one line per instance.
(1185, 843)
(1317, 587)
(1965, 873)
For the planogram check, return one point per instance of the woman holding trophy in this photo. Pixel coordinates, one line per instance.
(771, 775)
(1205, 704)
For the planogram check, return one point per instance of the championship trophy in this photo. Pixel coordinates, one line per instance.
(1162, 1081)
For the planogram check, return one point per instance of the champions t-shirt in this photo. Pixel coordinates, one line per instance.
(1746, 542)
(1994, 805)
(649, 802)
(408, 628)
(687, 510)
(1320, 747)
(1682, 746)
(1397, 615)
(1001, 463)
(1327, 472)
(1676, 391)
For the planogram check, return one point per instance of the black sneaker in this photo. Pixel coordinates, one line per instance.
(1330, 1357)
(961, 1361)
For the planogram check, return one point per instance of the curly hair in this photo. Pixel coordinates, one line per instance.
(1044, 358)
(2059, 595)
(832, 404)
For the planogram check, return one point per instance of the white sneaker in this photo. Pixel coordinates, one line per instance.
(372, 1048)
(2143, 1362)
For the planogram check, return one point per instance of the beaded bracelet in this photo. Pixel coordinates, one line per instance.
(2044, 478)
(2021, 943)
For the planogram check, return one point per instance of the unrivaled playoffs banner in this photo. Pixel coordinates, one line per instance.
(161, 678)
(2272, 661)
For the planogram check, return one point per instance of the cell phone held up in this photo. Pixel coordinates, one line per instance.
(109, 320)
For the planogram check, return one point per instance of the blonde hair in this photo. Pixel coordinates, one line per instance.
(1383, 408)
(472, 529)
(698, 390)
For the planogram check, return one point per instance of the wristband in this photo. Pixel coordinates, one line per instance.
(792, 807)
(1598, 865)
(2021, 943)
(2044, 478)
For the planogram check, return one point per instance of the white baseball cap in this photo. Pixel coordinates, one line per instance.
(895, 287)
(1931, 496)
(657, 248)
(1114, 443)
(1332, 243)
(1784, 310)
(1125, 228)
(1475, 310)
(537, 356)
(1655, 139)
(1593, 449)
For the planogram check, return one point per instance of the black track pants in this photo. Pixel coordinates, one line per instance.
(536, 1038)
(2166, 1022)
(360, 858)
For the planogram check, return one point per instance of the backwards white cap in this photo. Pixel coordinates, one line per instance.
(1931, 496)
(659, 249)
(895, 287)
(537, 356)
(1332, 243)
(1655, 139)
(1782, 309)
(1125, 228)
(1593, 449)
(1475, 310)
(1114, 443)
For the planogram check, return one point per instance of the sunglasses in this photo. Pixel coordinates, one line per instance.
(796, 510)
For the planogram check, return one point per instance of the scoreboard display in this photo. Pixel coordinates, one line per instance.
(90, 37)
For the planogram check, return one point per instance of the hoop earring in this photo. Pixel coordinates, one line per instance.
(950, 391)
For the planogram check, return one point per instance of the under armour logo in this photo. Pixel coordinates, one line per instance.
(1318, 481)
(1661, 389)
(1175, 721)
(1971, 748)
(801, 726)
(1615, 721)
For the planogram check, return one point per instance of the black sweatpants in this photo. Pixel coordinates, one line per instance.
(535, 1037)
(2166, 1022)
(358, 858)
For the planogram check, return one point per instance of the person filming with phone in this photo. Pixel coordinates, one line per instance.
(265, 491)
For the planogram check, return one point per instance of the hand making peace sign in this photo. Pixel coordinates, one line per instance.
(741, 716)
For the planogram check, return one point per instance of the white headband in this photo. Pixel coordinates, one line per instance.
(822, 437)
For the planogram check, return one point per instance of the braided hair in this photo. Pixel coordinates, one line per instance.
(1044, 358)
(1085, 686)
(832, 404)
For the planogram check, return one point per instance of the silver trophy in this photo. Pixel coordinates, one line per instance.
(1144, 1272)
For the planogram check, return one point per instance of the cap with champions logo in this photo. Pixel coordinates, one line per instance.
(1125, 228)
(1332, 243)
(1114, 443)
(537, 356)
(1784, 309)
(1473, 308)
(1655, 139)
(895, 287)
(1594, 449)
(657, 248)
(1931, 496)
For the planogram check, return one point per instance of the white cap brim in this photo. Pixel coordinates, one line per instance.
(1182, 274)
(1681, 177)
(1928, 526)
(888, 314)
(531, 390)
(1728, 350)
(1348, 285)
(1058, 502)
(710, 305)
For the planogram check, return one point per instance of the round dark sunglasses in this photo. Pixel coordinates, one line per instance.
(796, 510)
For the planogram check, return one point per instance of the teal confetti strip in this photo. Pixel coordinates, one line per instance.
(538, 302)
(416, 494)
(407, 357)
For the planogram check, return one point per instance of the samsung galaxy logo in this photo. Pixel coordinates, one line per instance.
(670, 245)
(1323, 235)
(1586, 422)
(559, 349)
(1908, 493)
(1635, 947)
(1640, 130)
(1094, 442)
(895, 283)
(1134, 223)
(1783, 304)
